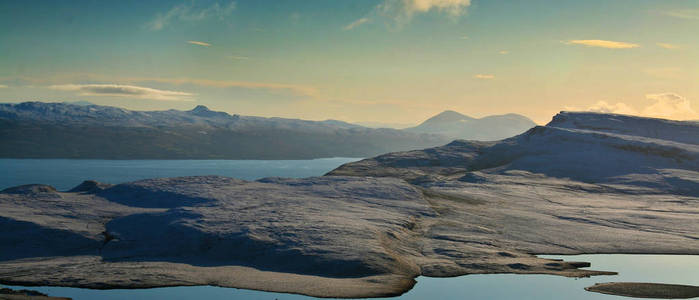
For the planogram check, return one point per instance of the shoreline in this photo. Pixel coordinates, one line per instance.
(178, 159)
(406, 289)
(463, 241)
(294, 283)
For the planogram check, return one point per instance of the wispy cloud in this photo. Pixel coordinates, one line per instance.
(602, 44)
(190, 12)
(2, 86)
(124, 91)
(199, 43)
(664, 105)
(484, 76)
(668, 46)
(238, 57)
(503, 52)
(296, 89)
(464, 37)
(690, 14)
(59, 81)
(401, 12)
(356, 23)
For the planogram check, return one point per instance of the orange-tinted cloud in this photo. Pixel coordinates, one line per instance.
(602, 44)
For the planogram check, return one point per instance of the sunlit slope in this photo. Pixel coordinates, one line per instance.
(654, 153)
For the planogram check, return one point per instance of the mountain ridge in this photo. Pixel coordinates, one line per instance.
(581, 146)
(59, 130)
(459, 126)
(679, 131)
(68, 130)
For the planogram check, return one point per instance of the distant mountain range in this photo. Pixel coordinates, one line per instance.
(85, 130)
(490, 128)
(65, 130)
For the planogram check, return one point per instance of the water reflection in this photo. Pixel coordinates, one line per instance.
(677, 269)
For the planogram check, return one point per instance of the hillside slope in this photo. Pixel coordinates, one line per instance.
(577, 146)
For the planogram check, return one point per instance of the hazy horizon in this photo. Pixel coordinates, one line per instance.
(382, 61)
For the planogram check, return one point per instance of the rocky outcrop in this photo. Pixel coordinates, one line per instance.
(342, 231)
(9, 294)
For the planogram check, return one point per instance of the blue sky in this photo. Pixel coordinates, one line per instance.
(392, 61)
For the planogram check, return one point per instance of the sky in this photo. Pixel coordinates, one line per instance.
(393, 62)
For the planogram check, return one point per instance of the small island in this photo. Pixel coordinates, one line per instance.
(9, 294)
(646, 290)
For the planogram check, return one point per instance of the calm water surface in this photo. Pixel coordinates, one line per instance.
(679, 269)
(65, 174)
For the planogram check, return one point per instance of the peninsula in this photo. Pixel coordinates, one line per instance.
(584, 183)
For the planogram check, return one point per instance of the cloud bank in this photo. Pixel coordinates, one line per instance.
(190, 13)
(602, 44)
(664, 105)
(604, 107)
(123, 91)
(669, 105)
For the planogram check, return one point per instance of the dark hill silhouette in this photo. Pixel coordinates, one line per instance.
(459, 126)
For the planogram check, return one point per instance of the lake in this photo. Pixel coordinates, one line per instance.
(679, 269)
(65, 174)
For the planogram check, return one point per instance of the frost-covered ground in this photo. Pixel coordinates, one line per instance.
(585, 183)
